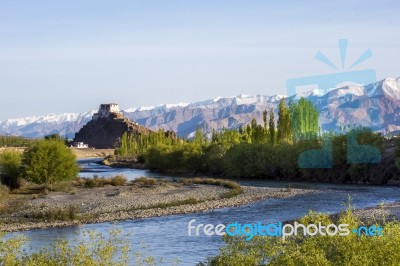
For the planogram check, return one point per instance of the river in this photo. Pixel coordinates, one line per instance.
(167, 237)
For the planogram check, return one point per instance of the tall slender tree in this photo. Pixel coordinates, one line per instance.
(304, 119)
(265, 119)
(284, 129)
(272, 126)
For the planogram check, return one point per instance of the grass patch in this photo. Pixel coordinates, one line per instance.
(174, 203)
(235, 188)
(96, 181)
(30, 189)
(144, 182)
(63, 186)
(56, 214)
(150, 182)
(12, 206)
(164, 205)
(4, 192)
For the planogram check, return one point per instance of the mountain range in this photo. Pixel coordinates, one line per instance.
(375, 105)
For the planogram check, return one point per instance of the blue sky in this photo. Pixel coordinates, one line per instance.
(70, 56)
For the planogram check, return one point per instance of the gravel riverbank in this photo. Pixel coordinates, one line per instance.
(109, 203)
(389, 211)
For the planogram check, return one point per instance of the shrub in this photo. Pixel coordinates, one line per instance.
(397, 152)
(4, 192)
(56, 214)
(13, 206)
(49, 161)
(144, 182)
(79, 181)
(10, 168)
(317, 250)
(93, 249)
(92, 183)
(118, 180)
(235, 188)
(62, 186)
(164, 205)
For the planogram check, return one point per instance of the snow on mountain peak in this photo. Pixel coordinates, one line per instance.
(224, 112)
(216, 99)
(152, 107)
(49, 118)
(391, 87)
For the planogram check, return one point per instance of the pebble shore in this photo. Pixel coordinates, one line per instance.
(135, 203)
(389, 211)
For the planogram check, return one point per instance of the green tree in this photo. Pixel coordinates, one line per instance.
(49, 161)
(56, 136)
(304, 117)
(10, 168)
(198, 137)
(265, 119)
(272, 126)
(13, 141)
(284, 129)
(123, 150)
(397, 152)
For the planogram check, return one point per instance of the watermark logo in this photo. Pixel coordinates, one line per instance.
(356, 153)
(249, 231)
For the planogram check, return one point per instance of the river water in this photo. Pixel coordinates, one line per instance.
(167, 237)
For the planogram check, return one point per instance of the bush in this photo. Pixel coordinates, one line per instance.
(235, 188)
(4, 192)
(10, 168)
(317, 250)
(118, 180)
(175, 203)
(397, 152)
(49, 161)
(144, 182)
(56, 214)
(187, 157)
(92, 183)
(62, 186)
(93, 249)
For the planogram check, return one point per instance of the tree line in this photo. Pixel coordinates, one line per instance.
(269, 150)
(14, 141)
(299, 120)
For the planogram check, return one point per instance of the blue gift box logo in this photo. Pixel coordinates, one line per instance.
(356, 153)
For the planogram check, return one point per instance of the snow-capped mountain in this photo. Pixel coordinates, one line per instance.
(39, 126)
(218, 113)
(375, 105)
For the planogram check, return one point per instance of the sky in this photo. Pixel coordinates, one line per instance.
(70, 56)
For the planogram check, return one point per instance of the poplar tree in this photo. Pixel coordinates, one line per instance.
(272, 126)
(304, 117)
(284, 129)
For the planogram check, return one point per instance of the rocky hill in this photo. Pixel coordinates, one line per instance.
(105, 131)
(376, 105)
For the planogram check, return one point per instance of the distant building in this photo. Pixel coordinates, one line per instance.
(80, 145)
(106, 109)
(106, 128)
